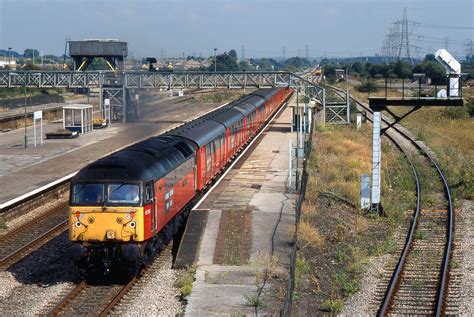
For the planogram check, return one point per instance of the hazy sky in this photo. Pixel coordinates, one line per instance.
(328, 27)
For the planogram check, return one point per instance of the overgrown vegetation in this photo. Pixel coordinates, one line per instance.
(336, 240)
(185, 281)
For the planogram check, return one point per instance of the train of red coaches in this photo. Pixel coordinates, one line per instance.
(126, 206)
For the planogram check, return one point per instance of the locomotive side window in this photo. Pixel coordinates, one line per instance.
(148, 192)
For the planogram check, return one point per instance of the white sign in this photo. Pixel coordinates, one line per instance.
(364, 191)
(358, 121)
(106, 102)
(38, 115)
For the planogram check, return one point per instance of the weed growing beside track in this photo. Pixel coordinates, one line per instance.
(336, 240)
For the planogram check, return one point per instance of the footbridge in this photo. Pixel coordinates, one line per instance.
(115, 86)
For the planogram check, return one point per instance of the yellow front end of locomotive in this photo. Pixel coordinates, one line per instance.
(97, 224)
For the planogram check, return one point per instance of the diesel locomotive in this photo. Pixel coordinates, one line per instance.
(126, 206)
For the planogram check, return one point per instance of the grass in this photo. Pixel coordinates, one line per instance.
(185, 281)
(309, 236)
(421, 235)
(336, 147)
(332, 306)
(265, 266)
(253, 301)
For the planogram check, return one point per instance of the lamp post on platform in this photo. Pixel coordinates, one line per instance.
(215, 60)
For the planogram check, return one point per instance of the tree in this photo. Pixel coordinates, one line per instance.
(30, 52)
(225, 62)
(233, 54)
(430, 57)
(432, 70)
(402, 69)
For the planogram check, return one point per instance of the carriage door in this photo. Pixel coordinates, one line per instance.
(150, 200)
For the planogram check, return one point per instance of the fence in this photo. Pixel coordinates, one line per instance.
(288, 305)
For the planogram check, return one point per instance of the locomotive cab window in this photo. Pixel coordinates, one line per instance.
(87, 194)
(123, 194)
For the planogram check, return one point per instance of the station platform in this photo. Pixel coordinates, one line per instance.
(23, 170)
(238, 218)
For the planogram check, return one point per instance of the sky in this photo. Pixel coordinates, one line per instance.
(328, 27)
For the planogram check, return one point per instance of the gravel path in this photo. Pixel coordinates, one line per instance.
(154, 294)
(28, 286)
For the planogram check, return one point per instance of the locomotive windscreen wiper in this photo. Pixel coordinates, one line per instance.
(120, 186)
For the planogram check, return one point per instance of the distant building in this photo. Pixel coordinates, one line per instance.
(340, 73)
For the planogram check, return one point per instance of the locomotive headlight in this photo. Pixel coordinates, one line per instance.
(77, 224)
(133, 224)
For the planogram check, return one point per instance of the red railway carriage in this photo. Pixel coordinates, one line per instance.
(209, 136)
(233, 121)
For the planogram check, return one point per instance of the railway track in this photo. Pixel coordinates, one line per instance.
(418, 284)
(16, 244)
(101, 300)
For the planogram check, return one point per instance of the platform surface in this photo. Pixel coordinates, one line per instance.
(242, 213)
(23, 170)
